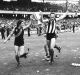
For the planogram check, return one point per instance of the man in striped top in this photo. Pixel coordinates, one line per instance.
(50, 33)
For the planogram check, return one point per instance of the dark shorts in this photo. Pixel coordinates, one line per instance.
(49, 36)
(19, 42)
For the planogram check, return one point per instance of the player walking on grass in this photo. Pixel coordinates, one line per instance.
(18, 31)
(50, 34)
(47, 57)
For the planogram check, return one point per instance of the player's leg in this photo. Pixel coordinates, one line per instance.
(48, 45)
(46, 49)
(17, 54)
(47, 57)
(52, 44)
(57, 47)
(22, 52)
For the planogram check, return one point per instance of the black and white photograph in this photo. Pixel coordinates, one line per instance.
(39, 37)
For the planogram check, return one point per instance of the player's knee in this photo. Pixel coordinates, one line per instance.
(52, 46)
(51, 51)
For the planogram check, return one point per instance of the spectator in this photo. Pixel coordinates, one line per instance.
(3, 31)
(74, 28)
(8, 30)
(28, 31)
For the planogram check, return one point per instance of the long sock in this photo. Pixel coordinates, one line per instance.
(17, 59)
(51, 55)
(58, 48)
(46, 50)
(24, 55)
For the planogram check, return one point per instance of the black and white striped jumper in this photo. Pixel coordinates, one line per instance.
(50, 29)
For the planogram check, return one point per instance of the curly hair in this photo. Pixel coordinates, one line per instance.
(19, 22)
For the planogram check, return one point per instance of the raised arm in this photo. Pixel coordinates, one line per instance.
(45, 20)
(33, 17)
(27, 25)
(9, 35)
(62, 16)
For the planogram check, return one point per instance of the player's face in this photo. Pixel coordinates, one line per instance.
(52, 16)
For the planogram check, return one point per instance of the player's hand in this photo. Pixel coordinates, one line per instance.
(67, 12)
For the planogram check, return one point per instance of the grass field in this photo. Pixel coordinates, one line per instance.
(35, 63)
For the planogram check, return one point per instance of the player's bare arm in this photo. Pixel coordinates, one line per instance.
(9, 35)
(62, 16)
(27, 25)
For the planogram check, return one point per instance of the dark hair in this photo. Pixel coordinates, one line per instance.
(52, 13)
(19, 22)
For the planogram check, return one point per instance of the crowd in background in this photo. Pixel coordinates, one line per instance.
(33, 6)
(6, 25)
